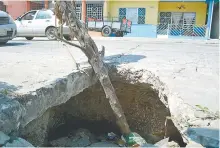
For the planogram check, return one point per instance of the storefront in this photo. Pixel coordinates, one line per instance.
(143, 15)
(185, 19)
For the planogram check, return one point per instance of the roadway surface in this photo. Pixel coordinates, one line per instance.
(189, 68)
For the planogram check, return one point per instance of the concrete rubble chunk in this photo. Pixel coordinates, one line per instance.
(193, 144)
(162, 143)
(3, 138)
(148, 145)
(84, 141)
(11, 112)
(207, 137)
(165, 143)
(19, 142)
(79, 138)
(104, 144)
(71, 142)
(62, 142)
(203, 115)
(173, 144)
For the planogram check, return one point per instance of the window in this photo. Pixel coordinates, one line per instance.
(178, 23)
(95, 11)
(177, 18)
(79, 11)
(36, 5)
(44, 15)
(141, 15)
(136, 15)
(29, 15)
(122, 13)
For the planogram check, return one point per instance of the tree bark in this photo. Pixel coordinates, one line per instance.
(67, 10)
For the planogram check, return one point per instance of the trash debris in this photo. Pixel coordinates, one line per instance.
(112, 136)
(133, 140)
(121, 143)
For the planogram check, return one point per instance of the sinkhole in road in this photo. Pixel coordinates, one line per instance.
(90, 110)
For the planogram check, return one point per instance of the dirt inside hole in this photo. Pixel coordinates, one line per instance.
(144, 111)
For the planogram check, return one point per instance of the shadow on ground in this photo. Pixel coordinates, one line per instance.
(123, 59)
(14, 44)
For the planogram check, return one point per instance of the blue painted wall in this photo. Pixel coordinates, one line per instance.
(143, 30)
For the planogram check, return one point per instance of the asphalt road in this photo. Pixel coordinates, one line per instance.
(189, 68)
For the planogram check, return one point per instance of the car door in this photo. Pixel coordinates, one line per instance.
(42, 20)
(24, 24)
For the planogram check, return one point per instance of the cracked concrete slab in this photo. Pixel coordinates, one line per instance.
(187, 72)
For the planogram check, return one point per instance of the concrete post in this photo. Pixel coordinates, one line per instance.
(105, 14)
(46, 4)
(84, 10)
(210, 15)
(28, 6)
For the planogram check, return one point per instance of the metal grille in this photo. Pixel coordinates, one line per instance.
(4, 20)
(37, 5)
(165, 18)
(177, 18)
(122, 13)
(162, 29)
(141, 15)
(79, 11)
(95, 11)
(185, 30)
(9, 33)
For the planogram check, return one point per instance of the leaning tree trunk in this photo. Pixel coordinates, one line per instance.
(66, 10)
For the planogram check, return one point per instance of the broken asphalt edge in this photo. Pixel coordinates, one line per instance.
(22, 109)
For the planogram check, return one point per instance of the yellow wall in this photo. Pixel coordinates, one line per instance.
(151, 8)
(199, 8)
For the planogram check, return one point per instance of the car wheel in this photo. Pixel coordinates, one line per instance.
(68, 38)
(29, 38)
(49, 33)
(2, 43)
(106, 31)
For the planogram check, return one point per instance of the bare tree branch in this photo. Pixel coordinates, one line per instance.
(67, 10)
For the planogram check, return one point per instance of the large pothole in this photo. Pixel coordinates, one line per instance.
(90, 109)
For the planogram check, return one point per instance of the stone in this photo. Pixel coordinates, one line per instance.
(203, 115)
(207, 137)
(73, 141)
(19, 142)
(148, 145)
(65, 142)
(165, 143)
(11, 112)
(62, 142)
(3, 138)
(162, 143)
(104, 144)
(173, 144)
(84, 141)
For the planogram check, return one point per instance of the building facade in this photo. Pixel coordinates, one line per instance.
(17, 8)
(155, 18)
(150, 18)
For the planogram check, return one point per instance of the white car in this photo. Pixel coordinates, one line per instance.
(8, 29)
(39, 23)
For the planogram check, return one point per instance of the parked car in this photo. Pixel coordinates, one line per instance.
(8, 29)
(39, 23)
